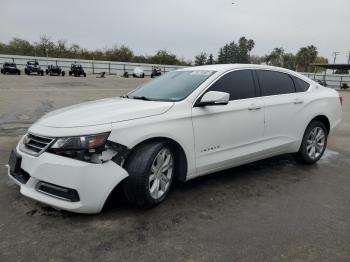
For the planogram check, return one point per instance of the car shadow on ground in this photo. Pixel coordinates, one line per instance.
(272, 172)
(247, 181)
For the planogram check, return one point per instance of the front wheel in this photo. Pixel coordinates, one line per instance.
(314, 143)
(151, 171)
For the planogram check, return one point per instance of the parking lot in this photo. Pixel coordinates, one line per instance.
(272, 210)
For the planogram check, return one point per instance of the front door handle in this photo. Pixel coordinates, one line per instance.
(254, 107)
(298, 101)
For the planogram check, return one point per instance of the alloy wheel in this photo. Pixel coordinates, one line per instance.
(161, 173)
(315, 142)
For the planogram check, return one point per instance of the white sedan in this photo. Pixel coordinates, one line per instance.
(185, 124)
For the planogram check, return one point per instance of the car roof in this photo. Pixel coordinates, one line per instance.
(222, 68)
(227, 67)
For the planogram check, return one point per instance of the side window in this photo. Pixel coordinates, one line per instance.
(239, 84)
(300, 85)
(275, 83)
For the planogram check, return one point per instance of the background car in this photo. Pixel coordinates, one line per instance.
(157, 71)
(77, 70)
(53, 70)
(138, 72)
(33, 67)
(10, 68)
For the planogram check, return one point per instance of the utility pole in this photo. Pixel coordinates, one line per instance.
(47, 56)
(335, 54)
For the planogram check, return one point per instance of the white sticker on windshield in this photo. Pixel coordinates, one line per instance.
(201, 73)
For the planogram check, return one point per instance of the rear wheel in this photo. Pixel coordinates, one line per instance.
(314, 143)
(151, 171)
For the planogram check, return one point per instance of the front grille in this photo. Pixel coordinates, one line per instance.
(36, 144)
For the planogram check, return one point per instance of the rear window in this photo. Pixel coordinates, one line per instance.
(275, 83)
(300, 85)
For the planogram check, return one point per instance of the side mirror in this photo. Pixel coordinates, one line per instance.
(214, 98)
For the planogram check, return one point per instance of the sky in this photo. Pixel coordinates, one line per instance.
(182, 27)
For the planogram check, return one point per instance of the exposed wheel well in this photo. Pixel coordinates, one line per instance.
(324, 120)
(180, 156)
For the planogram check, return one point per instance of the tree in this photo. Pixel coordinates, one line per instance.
(319, 60)
(61, 48)
(243, 50)
(200, 59)
(275, 58)
(164, 57)
(19, 47)
(44, 46)
(74, 49)
(289, 61)
(251, 45)
(306, 56)
(221, 56)
(236, 53)
(210, 60)
(255, 59)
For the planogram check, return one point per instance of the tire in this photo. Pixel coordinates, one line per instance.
(70, 73)
(146, 187)
(314, 143)
(19, 72)
(84, 74)
(63, 73)
(41, 73)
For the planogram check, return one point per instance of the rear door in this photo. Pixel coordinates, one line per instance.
(282, 107)
(228, 134)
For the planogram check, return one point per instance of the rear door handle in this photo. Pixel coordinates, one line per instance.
(254, 107)
(298, 101)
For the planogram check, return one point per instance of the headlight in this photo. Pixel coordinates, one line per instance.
(80, 142)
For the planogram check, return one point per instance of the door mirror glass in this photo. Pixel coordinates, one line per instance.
(214, 98)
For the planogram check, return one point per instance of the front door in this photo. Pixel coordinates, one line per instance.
(226, 135)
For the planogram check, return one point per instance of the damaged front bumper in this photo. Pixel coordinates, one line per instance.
(66, 183)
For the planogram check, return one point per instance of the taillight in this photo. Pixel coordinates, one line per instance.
(341, 100)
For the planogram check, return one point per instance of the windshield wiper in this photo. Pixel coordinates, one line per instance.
(141, 98)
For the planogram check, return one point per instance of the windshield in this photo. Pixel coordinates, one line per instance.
(173, 86)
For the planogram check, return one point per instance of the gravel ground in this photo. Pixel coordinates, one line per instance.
(271, 210)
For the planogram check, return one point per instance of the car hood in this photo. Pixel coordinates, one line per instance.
(103, 111)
